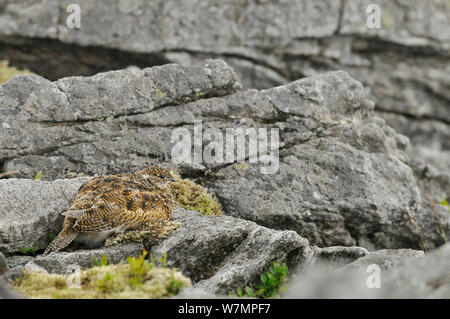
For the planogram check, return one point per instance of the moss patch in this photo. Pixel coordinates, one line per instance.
(136, 279)
(7, 72)
(191, 196)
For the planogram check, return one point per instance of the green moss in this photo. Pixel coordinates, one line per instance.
(136, 279)
(191, 196)
(7, 72)
(387, 19)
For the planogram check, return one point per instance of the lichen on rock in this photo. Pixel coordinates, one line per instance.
(191, 196)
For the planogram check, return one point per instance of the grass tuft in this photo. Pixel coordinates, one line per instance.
(138, 278)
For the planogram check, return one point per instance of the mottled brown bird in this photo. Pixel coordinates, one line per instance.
(113, 204)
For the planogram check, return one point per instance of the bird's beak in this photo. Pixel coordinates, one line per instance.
(172, 179)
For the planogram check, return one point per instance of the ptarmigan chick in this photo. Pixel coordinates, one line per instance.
(112, 204)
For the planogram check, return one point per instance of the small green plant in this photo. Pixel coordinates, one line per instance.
(103, 261)
(248, 292)
(445, 203)
(272, 283)
(38, 176)
(106, 284)
(27, 250)
(138, 269)
(441, 227)
(163, 260)
(175, 285)
(51, 237)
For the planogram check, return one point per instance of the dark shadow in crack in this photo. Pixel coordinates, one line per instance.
(54, 60)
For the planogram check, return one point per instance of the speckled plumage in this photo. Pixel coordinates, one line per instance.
(115, 203)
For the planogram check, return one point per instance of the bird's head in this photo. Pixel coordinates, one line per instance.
(155, 176)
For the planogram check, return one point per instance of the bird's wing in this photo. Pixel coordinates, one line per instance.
(118, 208)
(93, 220)
(102, 188)
(101, 181)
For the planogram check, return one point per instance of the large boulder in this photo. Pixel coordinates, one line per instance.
(64, 262)
(81, 124)
(268, 43)
(220, 253)
(402, 274)
(339, 176)
(3, 264)
(31, 211)
(387, 258)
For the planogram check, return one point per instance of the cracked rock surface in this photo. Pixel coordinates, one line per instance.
(363, 118)
(219, 253)
(344, 175)
(404, 64)
(403, 274)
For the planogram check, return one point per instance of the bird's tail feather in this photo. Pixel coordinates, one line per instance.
(61, 241)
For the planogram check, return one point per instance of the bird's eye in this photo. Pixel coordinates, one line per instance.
(162, 176)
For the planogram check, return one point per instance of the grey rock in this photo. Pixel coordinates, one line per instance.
(387, 258)
(321, 282)
(222, 253)
(67, 262)
(197, 293)
(268, 43)
(219, 253)
(12, 274)
(429, 158)
(18, 260)
(28, 222)
(3, 264)
(81, 124)
(425, 277)
(429, 153)
(343, 175)
(31, 266)
(204, 26)
(366, 211)
(338, 255)
(7, 293)
(414, 15)
(64, 262)
(430, 139)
